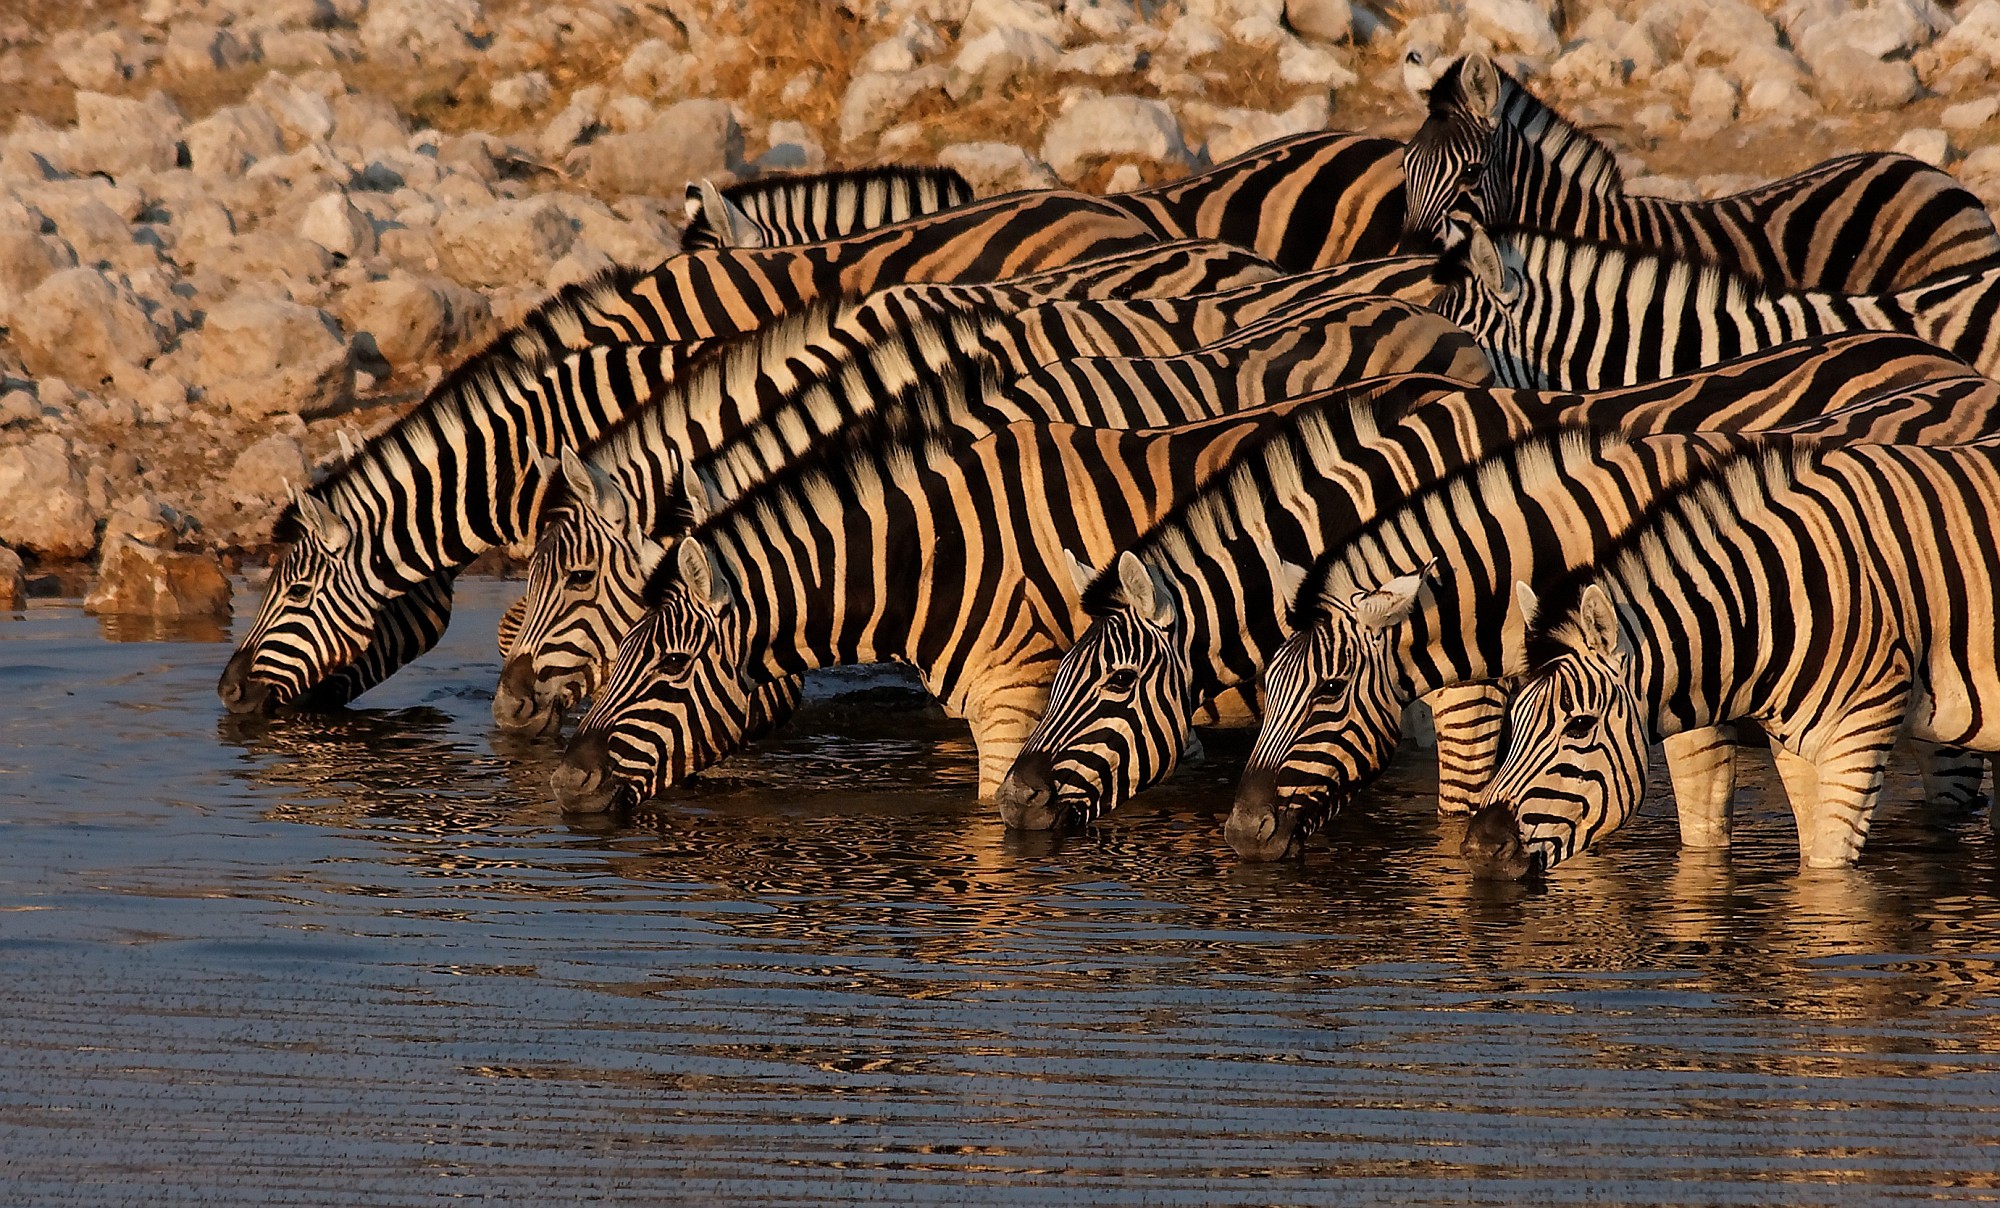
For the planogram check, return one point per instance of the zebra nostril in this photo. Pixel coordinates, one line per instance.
(518, 704)
(1257, 829)
(1492, 845)
(582, 782)
(1027, 795)
(239, 692)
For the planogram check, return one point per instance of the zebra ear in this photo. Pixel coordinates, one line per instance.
(1388, 605)
(1142, 591)
(731, 225)
(1597, 623)
(1528, 602)
(1080, 572)
(700, 504)
(1482, 257)
(322, 523)
(700, 575)
(1480, 81)
(1287, 579)
(1514, 638)
(594, 488)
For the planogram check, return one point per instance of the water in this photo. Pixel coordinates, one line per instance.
(364, 961)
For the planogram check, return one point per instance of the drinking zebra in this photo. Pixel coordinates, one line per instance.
(1196, 605)
(1564, 314)
(411, 501)
(1842, 597)
(1304, 202)
(818, 206)
(597, 546)
(1415, 602)
(1873, 223)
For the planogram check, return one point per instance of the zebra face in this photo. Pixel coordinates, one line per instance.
(318, 616)
(1445, 161)
(1575, 765)
(679, 697)
(585, 584)
(1484, 290)
(1118, 715)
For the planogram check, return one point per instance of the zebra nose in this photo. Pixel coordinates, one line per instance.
(583, 782)
(1027, 796)
(1492, 845)
(1257, 829)
(517, 703)
(240, 693)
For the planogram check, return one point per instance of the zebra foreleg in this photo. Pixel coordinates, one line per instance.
(1702, 766)
(1468, 720)
(1835, 792)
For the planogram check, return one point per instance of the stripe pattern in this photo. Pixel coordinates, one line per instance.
(1562, 314)
(818, 206)
(1879, 559)
(452, 479)
(1873, 223)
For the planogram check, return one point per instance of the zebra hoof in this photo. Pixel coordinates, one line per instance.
(239, 693)
(1027, 796)
(1493, 847)
(1258, 828)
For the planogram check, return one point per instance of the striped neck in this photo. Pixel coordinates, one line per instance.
(1545, 173)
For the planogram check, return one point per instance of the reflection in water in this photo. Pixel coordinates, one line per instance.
(353, 955)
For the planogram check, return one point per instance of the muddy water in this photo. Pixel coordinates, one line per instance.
(363, 961)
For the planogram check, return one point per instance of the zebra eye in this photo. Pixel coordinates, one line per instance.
(1471, 172)
(676, 665)
(299, 593)
(1332, 687)
(1121, 681)
(580, 578)
(1579, 726)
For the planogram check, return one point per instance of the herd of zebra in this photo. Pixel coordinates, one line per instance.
(1329, 428)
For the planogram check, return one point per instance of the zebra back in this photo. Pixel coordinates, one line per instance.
(1304, 202)
(815, 207)
(1870, 223)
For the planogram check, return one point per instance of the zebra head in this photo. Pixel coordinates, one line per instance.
(585, 584)
(1576, 749)
(679, 697)
(1483, 288)
(1445, 163)
(1118, 715)
(319, 615)
(1333, 713)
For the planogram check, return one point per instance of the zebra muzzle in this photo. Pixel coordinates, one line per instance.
(1493, 847)
(583, 782)
(1258, 828)
(239, 692)
(517, 703)
(1027, 796)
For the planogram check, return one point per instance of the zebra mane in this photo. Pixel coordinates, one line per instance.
(1670, 533)
(529, 347)
(761, 198)
(1524, 464)
(1271, 473)
(879, 443)
(1578, 155)
(1596, 257)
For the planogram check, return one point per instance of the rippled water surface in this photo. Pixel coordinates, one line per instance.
(364, 961)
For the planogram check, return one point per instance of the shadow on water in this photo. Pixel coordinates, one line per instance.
(360, 958)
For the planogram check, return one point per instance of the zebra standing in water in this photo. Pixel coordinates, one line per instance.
(597, 545)
(818, 206)
(1881, 561)
(1304, 202)
(1196, 605)
(1414, 603)
(421, 494)
(1873, 223)
(1565, 314)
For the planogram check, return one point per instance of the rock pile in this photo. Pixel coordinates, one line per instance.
(255, 223)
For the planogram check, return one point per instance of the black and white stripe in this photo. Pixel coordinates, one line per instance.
(814, 207)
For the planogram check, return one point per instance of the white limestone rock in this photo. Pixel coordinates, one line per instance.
(1931, 145)
(1520, 26)
(874, 101)
(43, 505)
(1321, 20)
(1099, 127)
(336, 224)
(78, 326)
(987, 63)
(996, 167)
(261, 356)
(689, 140)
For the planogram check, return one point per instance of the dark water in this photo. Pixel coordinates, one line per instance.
(364, 961)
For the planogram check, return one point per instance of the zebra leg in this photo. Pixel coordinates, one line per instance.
(1702, 766)
(1468, 720)
(1951, 775)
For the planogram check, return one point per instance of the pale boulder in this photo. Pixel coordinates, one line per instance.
(27, 260)
(689, 140)
(1028, 16)
(261, 356)
(13, 580)
(996, 167)
(1513, 25)
(874, 100)
(1929, 144)
(336, 224)
(1321, 20)
(44, 506)
(504, 243)
(80, 327)
(268, 471)
(414, 320)
(1231, 132)
(225, 143)
(440, 30)
(139, 580)
(1099, 127)
(118, 135)
(985, 64)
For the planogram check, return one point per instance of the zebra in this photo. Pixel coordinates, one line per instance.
(1307, 201)
(815, 207)
(1225, 566)
(962, 558)
(598, 542)
(1565, 314)
(1374, 628)
(1863, 224)
(433, 486)
(1841, 596)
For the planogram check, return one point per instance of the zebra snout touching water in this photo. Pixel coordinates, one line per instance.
(1879, 558)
